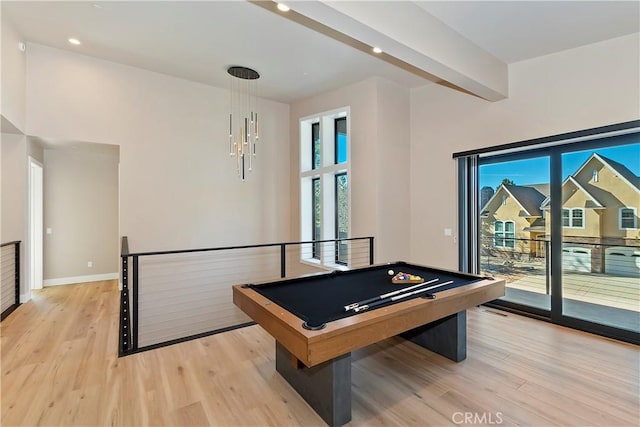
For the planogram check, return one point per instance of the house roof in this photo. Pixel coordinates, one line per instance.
(572, 180)
(545, 189)
(537, 225)
(528, 197)
(620, 169)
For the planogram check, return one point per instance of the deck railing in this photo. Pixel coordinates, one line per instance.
(177, 295)
(602, 274)
(9, 278)
(499, 253)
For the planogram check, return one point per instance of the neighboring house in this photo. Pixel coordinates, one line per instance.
(600, 204)
(514, 219)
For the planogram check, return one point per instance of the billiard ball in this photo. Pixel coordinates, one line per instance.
(390, 272)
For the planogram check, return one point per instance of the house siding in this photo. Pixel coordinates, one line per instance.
(511, 210)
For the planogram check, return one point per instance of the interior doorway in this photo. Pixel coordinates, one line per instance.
(36, 197)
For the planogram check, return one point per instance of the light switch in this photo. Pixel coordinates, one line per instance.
(90, 264)
(447, 232)
(49, 231)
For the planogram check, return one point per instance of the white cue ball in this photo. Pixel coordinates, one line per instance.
(390, 272)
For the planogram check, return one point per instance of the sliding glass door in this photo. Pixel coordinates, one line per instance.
(559, 222)
(600, 235)
(512, 233)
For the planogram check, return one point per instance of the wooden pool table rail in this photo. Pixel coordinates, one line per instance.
(345, 335)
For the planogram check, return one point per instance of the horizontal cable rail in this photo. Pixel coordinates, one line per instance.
(171, 296)
(9, 278)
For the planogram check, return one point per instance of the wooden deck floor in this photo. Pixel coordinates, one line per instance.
(60, 367)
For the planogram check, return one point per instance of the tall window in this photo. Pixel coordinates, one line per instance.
(316, 216)
(324, 176)
(340, 146)
(342, 216)
(315, 145)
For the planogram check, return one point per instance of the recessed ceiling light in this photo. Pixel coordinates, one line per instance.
(97, 6)
(74, 41)
(376, 49)
(283, 7)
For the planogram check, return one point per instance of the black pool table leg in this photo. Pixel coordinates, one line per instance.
(447, 336)
(325, 387)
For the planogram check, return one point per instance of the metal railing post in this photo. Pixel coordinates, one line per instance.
(17, 272)
(547, 266)
(283, 262)
(124, 308)
(125, 317)
(134, 311)
(371, 250)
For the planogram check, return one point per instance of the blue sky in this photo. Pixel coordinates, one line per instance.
(536, 171)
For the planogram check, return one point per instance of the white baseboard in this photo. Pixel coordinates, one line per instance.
(80, 279)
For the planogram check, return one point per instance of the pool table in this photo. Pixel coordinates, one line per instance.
(315, 334)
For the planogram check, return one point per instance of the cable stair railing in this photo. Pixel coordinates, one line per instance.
(173, 296)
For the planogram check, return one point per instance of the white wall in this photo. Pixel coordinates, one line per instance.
(392, 169)
(178, 186)
(379, 139)
(14, 196)
(81, 209)
(581, 88)
(13, 77)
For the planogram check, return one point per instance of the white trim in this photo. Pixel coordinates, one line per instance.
(326, 173)
(504, 233)
(332, 169)
(584, 218)
(25, 298)
(314, 262)
(35, 224)
(81, 279)
(635, 218)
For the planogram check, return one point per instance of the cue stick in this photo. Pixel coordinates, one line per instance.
(397, 297)
(383, 296)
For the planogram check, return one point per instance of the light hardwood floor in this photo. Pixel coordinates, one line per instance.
(60, 367)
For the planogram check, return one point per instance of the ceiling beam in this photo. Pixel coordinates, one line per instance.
(409, 37)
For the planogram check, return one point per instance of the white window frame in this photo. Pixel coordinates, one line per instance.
(571, 225)
(635, 218)
(326, 172)
(503, 234)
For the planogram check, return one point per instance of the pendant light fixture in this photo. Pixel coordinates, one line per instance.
(243, 117)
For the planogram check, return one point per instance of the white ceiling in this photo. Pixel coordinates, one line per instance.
(199, 40)
(517, 30)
